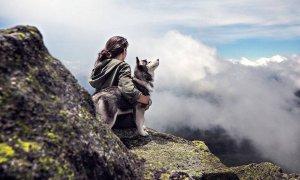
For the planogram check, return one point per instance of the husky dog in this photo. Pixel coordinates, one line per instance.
(110, 102)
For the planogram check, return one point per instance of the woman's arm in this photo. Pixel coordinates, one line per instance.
(127, 87)
(144, 99)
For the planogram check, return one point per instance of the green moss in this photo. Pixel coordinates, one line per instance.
(3, 159)
(63, 113)
(32, 29)
(2, 136)
(165, 176)
(28, 146)
(49, 68)
(201, 145)
(35, 83)
(84, 113)
(53, 137)
(5, 152)
(2, 100)
(25, 129)
(33, 70)
(62, 169)
(53, 96)
(5, 94)
(46, 160)
(20, 35)
(48, 59)
(259, 171)
(18, 59)
(177, 155)
(6, 31)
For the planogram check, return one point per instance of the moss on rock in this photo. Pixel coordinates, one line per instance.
(262, 171)
(28, 146)
(5, 152)
(168, 156)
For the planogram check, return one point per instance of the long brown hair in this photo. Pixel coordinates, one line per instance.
(113, 47)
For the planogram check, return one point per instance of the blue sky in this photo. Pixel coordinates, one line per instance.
(255, 48)
(252, 48)
(75, 31)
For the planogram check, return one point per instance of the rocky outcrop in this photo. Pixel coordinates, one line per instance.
(48, 127)
(262, 171)
(171, 157)
(168, 156)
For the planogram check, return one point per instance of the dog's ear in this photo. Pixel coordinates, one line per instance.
(138, 64)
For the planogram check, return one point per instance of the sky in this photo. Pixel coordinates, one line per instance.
(77, 30)
(232, 63)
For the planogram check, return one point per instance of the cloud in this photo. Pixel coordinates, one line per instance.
(75, 31)
(259, 62)
(195, 88)
(216, 20)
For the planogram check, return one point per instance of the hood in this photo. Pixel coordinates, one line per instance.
(102, 72)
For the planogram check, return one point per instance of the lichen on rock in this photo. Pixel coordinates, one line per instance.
(5, 152)
(170, 157)
(167, 156)
(264, 170)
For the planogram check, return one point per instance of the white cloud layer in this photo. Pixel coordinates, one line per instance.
(196, 88)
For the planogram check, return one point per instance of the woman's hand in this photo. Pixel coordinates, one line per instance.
(146, 107)
(144, 99)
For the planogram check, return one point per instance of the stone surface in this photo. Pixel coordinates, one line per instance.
(262, 171)
(168, 156)
(48, 127)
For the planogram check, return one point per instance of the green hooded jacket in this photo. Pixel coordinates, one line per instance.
(113, 72)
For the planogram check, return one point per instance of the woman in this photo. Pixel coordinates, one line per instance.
(110, 69)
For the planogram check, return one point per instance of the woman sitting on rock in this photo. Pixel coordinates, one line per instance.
(110, 69)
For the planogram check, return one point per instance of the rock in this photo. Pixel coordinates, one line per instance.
(168, 156)
(264, 170)
(48, 127)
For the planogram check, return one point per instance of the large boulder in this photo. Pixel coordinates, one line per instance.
(48, 127)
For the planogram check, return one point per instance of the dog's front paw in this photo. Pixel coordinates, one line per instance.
(144, 133)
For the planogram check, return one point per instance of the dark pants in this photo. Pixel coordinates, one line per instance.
(125, 121)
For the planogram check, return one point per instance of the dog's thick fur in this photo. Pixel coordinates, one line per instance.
(110, 103)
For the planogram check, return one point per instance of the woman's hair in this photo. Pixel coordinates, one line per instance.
(113, 47)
